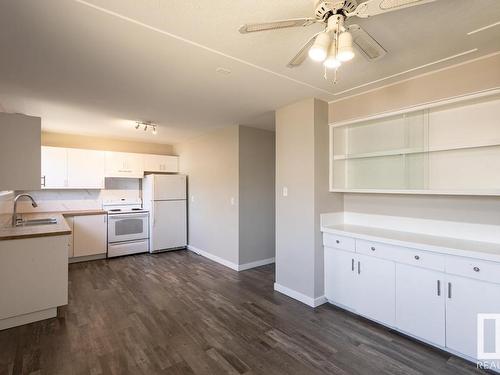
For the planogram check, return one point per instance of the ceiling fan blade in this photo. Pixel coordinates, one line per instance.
(299, 58)
(373, 7)
(275, 25)
(368, 46)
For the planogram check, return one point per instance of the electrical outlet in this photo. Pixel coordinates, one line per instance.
(192, 198)
(232, 201)
(285, 191)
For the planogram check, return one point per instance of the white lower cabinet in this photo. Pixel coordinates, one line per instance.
(433, 297)
(420, 306)
(89, 235)
(340, 277)
(375, 289)
(465, 298)
(360, 283)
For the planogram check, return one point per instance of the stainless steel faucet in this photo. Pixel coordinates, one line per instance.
(14, 214)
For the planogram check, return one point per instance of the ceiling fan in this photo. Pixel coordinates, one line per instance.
(334, 45)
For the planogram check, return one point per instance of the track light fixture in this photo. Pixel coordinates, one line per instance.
(147, 125)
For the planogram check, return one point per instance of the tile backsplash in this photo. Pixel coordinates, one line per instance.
(64, 200)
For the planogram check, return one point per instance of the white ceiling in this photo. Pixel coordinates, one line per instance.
(94, 67)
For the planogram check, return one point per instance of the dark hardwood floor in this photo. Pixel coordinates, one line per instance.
(178, 313)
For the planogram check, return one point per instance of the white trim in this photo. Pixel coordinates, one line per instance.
(415, 77)
(419, 107)
(257, 263)
(152, 28)
(215, 258)
(483, 28)
(313, 302)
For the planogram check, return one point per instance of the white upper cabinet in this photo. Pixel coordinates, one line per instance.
(161, 163)
(54, 167)
(451, 147)
(85, 169)
(123, 164)
(67, 168)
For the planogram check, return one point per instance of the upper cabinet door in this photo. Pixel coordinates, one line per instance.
(161, 163)
(54, 167)
(85, 169)
(125, 165)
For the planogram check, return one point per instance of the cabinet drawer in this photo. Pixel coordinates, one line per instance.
(404, 255)
(338, 242)
(475, 269)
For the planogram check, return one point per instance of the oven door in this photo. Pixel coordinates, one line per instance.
(128, 227)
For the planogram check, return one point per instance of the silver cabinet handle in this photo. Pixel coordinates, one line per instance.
(43, 181)
(373, 248)
(337, 241)
(352, 265)
(439, 287)
(359, 267)
(417, 257)
(449, 290)
(476, 269)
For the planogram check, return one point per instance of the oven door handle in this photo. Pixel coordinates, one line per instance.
(125, 216)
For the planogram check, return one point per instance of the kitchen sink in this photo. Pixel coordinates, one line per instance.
(33, 222)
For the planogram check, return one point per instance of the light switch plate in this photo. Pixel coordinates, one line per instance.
(285, 191)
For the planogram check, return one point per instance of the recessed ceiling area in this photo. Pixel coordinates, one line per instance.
(95, 67)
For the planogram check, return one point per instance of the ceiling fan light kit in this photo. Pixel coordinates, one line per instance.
(319, 49)
(335, 43)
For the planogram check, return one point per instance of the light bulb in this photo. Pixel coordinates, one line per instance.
(331, 61)
(345, 51)
(319, 49)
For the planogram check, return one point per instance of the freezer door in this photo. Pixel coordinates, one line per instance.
(169, 187)
(169, 225)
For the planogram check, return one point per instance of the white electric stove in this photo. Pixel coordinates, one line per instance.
(128, 227)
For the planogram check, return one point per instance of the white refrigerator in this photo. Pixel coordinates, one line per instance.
(164, 196)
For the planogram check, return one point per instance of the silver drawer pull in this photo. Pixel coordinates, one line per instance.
(352, 264)
(417, 257)
(337, 241)
(439, 287)
(476, 269)
(373, 248)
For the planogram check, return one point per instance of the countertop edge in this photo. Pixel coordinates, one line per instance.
(445, 250)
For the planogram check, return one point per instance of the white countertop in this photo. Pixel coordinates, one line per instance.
(443, 245)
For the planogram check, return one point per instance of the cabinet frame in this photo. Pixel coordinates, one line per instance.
(492, 94)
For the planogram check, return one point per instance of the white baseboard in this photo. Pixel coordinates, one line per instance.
(224, 262)
(28, 318)
(215, 258)
(310, 301)
(258, 263)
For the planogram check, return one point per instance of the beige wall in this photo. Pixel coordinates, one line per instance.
(256, 194)
(460, 80)
(106, 144)
(302, 167)
(211, 163)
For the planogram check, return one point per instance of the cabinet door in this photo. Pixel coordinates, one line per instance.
(54, 167)
(85, 169)
(375, 289)
(122, 164)
(465, 298)
(420, 305)
(340, 277)
(89, 235)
